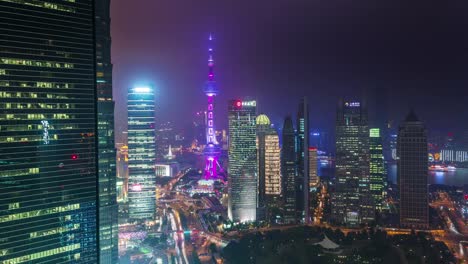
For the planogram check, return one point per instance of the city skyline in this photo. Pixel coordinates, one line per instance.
(119, 145)
(397, 57)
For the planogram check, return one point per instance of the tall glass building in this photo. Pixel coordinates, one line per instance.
(377, 168)
(302, 170)
(242, 172)
(288, 171)
(412, 171)
(48, 169)
(352, 202)
(141, 153)
(108, 210)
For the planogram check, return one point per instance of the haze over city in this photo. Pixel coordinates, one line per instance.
(236, 132)
(410, 54)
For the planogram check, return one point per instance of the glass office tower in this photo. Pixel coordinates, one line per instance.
(377, 169)
(141, 154)
(48, 169)
(242, 173)
(288, 171)
(108, 210)
(352, 202)
(412, 171)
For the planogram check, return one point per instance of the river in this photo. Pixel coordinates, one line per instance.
(455, 178)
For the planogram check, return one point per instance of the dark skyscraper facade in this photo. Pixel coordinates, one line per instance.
(302, 173)
(352, 202)
(412, 172)
(288, 171)
(242, 173)
(141, 153)
(48, 169)
(108, 210)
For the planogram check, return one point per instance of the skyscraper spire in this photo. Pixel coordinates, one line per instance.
(212, 150)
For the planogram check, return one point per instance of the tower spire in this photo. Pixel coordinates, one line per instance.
(210, 60)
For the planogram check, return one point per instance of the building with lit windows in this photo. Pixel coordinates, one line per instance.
(269, 166)
(351, 201)
(48, 167)
(313, 168)
(412, 172)
(242, 172)
(377, 169)
(141, 153)
(288, 171)
(302, 161)
(108, 208)
(453, 156)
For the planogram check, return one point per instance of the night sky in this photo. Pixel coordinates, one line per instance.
(402, 54)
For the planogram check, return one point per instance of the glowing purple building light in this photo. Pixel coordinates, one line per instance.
(212, 151)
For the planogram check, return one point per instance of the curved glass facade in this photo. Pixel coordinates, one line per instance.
(48, 175)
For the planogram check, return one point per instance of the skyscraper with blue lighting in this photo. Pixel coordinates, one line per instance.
(141, 153)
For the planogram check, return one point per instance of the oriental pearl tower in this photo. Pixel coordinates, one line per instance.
(212, 150)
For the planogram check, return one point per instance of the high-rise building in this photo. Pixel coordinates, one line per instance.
(108, 208)
(412, 171)
(302, 170)
(48, 144)
(313, 181)
(288, 171)
(242, 172)
(122, 170)
(313, 168)
(165, 137)
(212, 150)
(269, 172)
(141, 153)
(351, 202)
(377, 168)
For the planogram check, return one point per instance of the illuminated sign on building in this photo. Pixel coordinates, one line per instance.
(249, 103)
(353, 104)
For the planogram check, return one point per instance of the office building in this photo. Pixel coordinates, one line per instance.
(377, 169)
(242, 172)
(48, 167)
(269, 172)
(288, 171)
(302, 162)
(351, 201)
(412, 172)
(108, 208)
(141, 153)
(313, 168)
